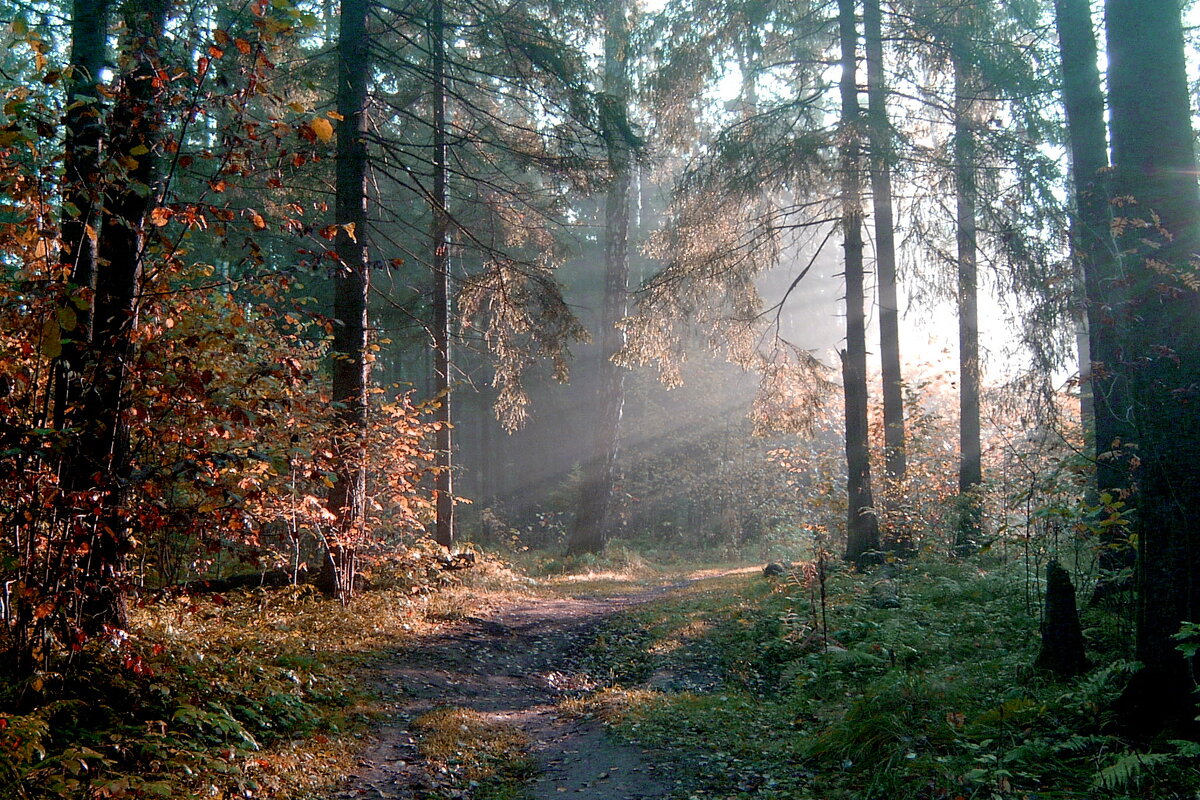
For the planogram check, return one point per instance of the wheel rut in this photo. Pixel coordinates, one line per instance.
(513, 666)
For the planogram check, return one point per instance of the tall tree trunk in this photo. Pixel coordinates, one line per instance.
(590, 531)
(970, 464)
(444, 480)
(879, 131)
(84, 136)
(95, 470)
(1098, 262)
(351, 285)
(862, 526)
(82, 201)
(81, 208)
(1159, 342)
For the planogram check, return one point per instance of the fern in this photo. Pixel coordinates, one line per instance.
(1099, 687)
(1081, 745)
(1129, 768)
(1186, 748)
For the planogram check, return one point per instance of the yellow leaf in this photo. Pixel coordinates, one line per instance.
(334, 115)
(160, 216)
(322, 128)
(140, 150)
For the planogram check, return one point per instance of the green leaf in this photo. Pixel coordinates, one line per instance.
(158, 789)
(51, 340)
(68, 320)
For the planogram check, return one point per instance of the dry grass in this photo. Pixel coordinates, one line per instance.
(293, 643)
(252, 649)
(480, 747)
(613, 704)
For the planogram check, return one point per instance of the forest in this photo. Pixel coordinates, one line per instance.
(501, 399)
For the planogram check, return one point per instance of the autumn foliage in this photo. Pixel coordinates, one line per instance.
(225, 438)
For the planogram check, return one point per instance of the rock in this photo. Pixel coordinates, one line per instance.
(885, 594)
(885, 588)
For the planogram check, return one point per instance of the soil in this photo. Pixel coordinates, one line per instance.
(514, 666)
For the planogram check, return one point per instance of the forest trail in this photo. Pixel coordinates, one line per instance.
(513, 666)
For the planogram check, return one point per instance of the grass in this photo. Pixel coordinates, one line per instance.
(622, 568)
(934, 700)
(477, 754)
(257, 694)
(730, 677)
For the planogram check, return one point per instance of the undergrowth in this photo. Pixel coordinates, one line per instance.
(254, 694)
(934, 700)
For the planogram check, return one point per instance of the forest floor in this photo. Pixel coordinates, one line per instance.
(915, 683)
(477, 708)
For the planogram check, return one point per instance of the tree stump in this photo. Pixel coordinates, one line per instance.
(1062, 639)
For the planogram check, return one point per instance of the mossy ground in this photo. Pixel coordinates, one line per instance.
(737, 682)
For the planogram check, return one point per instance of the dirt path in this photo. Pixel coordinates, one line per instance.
(513, 666)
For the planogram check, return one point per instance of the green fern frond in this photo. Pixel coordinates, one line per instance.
(1129, 768)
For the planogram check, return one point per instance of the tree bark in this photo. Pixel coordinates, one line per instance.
(1098, 262)
(862, 526)
(95, 470)
(591, 528)
(970, 464)
(444, 481)
(84, 137)
(351, 285)
(1159, 342)
(82, 203)
(81, 208)
(879, 131)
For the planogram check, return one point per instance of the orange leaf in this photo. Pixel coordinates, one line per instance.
(322, 128)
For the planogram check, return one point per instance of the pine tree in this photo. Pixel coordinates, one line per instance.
(351, 286)
(862, 525)
(590, 531)
(881, 152)
(1158, 215)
